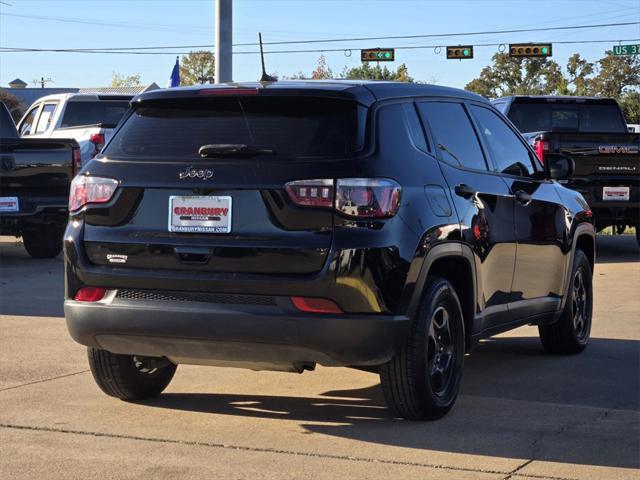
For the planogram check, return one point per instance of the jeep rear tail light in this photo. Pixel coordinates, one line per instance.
(97, 139)
(76, 160)
(90, 294)
(90, 190)
(311, 193)
(367, 197)
(354, 197)
(541, 147)
(315, 305)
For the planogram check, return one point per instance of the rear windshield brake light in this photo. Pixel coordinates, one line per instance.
(227, 91)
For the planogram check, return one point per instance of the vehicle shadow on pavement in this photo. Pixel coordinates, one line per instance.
(516, 402)
(29, 286)
(617, 249)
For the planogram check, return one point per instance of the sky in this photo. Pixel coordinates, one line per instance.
(142, 23)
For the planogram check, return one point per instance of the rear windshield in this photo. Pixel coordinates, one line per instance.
(107, 113)
(289, 126)
(563, 117)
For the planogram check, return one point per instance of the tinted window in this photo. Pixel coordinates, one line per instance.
(413, 125)
(46, 115)
(453, 133)
(27, 124)
(7, 127)
(565, 117)
(290, 126)
(506, 149)
(107, 113)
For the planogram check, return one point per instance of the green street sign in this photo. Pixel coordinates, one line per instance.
(626, 49)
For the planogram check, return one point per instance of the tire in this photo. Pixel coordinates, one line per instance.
(129, 377)
(419, 383)
(45, 242)
(638, 235)
(569, 335)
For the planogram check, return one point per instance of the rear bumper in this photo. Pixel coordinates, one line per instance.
(14, 223)
(607, 212)
(260, 337)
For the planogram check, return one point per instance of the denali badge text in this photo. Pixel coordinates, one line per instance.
(191, 172)
(628, 150)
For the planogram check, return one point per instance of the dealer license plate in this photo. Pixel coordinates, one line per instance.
(615, 193)
(200, 214)
(9, 204)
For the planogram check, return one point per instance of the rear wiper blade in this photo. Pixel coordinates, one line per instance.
(226, 149)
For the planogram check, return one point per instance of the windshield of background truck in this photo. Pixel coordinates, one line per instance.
(565, 117)
(82, 113)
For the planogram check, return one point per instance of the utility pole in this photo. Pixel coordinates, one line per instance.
(224, 29)
(42, 81)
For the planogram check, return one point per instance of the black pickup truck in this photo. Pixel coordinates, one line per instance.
(35, 176)
(594, 133)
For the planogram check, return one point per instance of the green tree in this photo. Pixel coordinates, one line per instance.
(615, 74)
(579, 72)
(13, 105)
(630, 104)
(197, 67)
(119, 80)
(518, 76)
(368, 72)
(322, 71)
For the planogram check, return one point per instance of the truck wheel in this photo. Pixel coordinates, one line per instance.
(45, 242)
(422, 381)
(570, 333)
(130, 377)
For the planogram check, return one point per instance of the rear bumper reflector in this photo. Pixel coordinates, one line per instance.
(315, 305)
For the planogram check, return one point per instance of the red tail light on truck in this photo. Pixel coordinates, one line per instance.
(76, 159)
(541, 147)
(97, 139)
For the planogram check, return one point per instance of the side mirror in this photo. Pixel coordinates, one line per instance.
(558, 166)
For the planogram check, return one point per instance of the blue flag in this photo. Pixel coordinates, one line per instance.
(174, 80)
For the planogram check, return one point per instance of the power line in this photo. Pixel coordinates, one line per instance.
(317, 50)
(442, 35)
(336, 40)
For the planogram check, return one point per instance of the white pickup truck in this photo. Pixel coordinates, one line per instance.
(90, 119)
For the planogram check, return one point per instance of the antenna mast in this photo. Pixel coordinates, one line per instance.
(265, 77)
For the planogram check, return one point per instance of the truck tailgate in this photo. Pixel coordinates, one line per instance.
(36, 167)
(615, 154)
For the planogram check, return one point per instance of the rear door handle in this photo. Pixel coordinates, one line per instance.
(523, 197)
(465, 191)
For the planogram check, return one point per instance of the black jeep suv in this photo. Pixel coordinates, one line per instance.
(274, 226)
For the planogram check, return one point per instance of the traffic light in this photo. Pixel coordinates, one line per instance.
(460, 52)
(530, 50)
(377, 55)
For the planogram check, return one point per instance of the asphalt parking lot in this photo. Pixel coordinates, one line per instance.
(521, 415)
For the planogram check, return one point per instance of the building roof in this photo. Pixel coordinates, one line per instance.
(29, 95)
(121, 90)
(18, 81)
